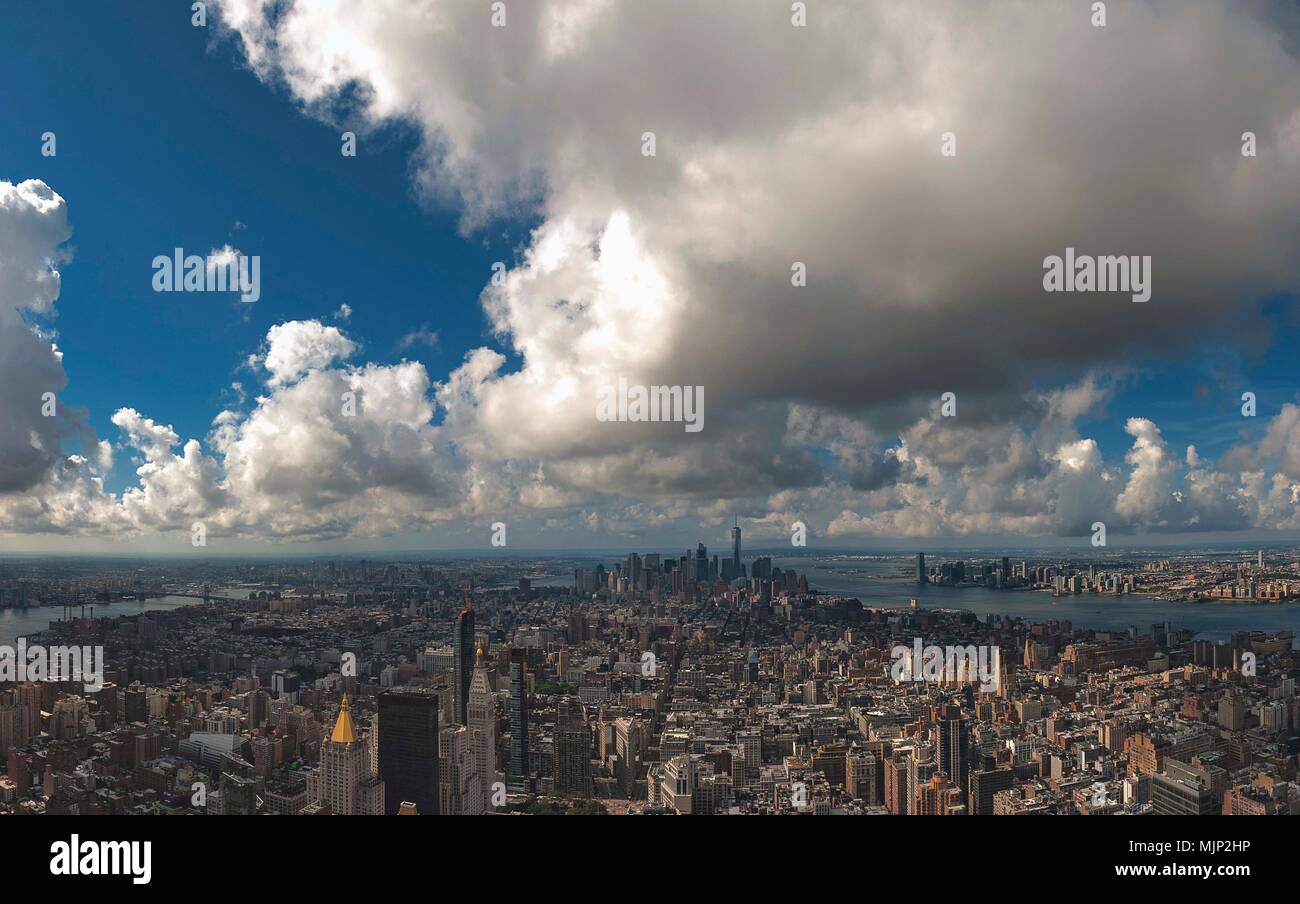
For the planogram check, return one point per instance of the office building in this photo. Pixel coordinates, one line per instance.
(572, 749)
(462, 660)
(345, 783)
(408, 748)
(520, 761)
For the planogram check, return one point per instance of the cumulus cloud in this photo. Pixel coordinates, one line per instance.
(33, 425)
(300, 464)
(778, 146)
(299, 347)
(822, 146)
(1282, 441)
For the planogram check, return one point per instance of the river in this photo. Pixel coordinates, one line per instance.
(15, 623)
(872, 582)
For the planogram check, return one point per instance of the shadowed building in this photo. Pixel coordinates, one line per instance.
(408, 749)
(520, 761)
(462, 661)
(572, 749)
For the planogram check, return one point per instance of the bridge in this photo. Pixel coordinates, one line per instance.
(206, 597)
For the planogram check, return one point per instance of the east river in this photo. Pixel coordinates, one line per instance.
(15, 623)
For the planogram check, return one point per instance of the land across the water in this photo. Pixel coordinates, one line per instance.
(873, 582)
(879, 581)
(15, 623)
(884, 582)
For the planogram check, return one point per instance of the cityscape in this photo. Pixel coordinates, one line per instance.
(702, 683)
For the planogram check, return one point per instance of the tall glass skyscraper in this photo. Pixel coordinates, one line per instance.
(735, 550)
(519, 758)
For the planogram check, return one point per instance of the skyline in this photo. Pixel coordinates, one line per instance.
(501, 251)
(675, 684)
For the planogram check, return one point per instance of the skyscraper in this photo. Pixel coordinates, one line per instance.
(984, 783)
(572, 749)
(462, 659)
(345, 783)
(258, 707)
(408, 748)
(954, 745)
(458, 776)
(920, 568)
(519, 759)
(896, 785)
(737, 571)
(920, 769)
(483, 726)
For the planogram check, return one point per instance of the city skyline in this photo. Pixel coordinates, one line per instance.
(661, 684)
(815, 277)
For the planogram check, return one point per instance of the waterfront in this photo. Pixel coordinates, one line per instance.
(873, 581)
(876, 582)
(15, 623)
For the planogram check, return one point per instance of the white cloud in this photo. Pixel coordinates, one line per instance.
(423, 336)
(776, 145)
(925, 272)
(33, 226)
(301, 346)
(223, 257)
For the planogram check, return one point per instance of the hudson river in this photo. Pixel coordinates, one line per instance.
(873, 582)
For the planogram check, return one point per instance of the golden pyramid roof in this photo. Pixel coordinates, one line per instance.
(344, 731)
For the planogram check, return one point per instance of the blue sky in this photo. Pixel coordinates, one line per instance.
(166, 137)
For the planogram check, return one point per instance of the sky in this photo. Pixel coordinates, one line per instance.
(502, 248)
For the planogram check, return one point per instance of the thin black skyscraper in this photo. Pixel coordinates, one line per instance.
(519, 753)
(463, 655)
(735, 550)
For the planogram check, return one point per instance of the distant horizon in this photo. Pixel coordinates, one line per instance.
(1063, 551)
